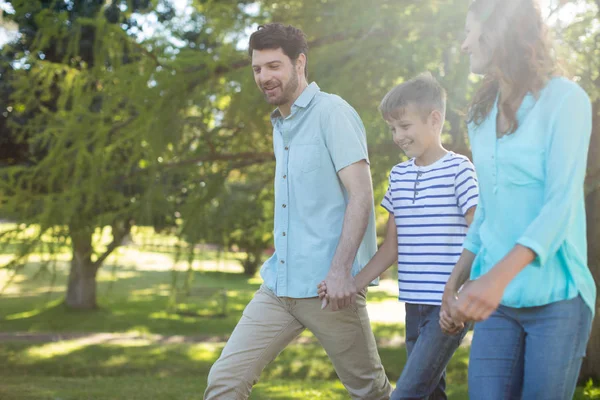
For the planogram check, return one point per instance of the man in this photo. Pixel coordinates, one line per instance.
(324, 230)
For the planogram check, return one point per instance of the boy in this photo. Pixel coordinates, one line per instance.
(431, 200)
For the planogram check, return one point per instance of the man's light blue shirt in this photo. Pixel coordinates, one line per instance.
(531, 187)
(322, 135)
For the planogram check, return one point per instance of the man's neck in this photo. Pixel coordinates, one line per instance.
(286, 109)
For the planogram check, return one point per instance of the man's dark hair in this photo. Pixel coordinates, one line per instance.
(291, 40)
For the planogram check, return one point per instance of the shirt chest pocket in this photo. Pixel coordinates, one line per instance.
(522, 166)
(306, 157)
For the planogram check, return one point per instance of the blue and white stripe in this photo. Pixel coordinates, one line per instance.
(429, 204)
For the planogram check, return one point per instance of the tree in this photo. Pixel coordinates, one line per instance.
(101, 124)
(122, 127)
(579, 47)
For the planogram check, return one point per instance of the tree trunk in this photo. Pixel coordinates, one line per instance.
(81, 290)
(591, 363)
(253, 261)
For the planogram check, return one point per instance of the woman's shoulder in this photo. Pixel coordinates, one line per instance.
(559, 89)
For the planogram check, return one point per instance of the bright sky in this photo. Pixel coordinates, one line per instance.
(150, 26)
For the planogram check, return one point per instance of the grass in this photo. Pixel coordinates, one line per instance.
(73, 370)
(135, 296)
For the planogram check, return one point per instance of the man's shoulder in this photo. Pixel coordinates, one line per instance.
(328, 102)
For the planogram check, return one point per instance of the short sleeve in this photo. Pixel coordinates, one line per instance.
(466, 188)
(345, 137)
(387, 201)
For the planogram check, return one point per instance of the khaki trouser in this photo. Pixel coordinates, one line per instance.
(269, 323)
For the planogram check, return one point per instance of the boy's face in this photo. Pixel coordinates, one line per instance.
(412, 133)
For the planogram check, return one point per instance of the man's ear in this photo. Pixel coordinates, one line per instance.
(301, 63)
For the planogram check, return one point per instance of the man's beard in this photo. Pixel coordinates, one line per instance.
(287, 92)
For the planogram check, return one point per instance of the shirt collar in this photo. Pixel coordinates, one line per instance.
(302, 101)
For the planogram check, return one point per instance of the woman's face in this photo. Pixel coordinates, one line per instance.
(479, 59)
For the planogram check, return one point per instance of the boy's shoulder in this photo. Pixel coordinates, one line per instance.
(460, 162)
(402, 167)
(458, 158)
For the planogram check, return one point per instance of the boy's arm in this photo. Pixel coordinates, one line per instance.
(460, 274)
(470, 214)
(466, 190)
(462, 269)
(385, 256)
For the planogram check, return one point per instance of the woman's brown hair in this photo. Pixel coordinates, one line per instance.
(516, 39)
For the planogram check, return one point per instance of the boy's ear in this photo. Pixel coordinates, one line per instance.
(436, 119)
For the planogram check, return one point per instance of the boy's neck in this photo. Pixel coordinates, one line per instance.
(431, 156)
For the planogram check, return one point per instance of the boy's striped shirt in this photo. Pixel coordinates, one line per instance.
(429, 204)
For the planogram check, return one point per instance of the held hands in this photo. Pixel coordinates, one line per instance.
(448, 325)
(477, 300)
(322, 292)
(337, 290)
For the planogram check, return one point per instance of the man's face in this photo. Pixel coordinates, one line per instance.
(275, 75)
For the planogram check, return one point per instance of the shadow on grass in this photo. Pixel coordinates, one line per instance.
(72, 370)
(137, 300)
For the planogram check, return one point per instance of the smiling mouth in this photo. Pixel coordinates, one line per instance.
(269, 90)
(406, 144)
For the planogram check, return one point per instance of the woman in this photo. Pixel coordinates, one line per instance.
(531, 292)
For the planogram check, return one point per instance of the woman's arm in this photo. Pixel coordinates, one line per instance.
(566, 159)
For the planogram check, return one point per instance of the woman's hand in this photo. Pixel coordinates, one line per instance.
(477, 299)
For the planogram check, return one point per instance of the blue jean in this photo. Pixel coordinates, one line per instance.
(429, 350)
(529, 353)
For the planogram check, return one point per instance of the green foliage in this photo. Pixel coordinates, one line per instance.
(108, 124)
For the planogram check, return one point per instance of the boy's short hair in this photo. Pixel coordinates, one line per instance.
(423, 92)
(290, 39)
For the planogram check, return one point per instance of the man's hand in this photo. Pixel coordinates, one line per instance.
(339, 290)
(356, 179)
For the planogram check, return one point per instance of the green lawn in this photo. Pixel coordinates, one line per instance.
(135, 297)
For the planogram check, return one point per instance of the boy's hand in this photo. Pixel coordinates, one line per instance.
(322, 292)
(448, 325)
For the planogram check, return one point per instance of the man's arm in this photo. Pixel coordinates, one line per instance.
(341, 288)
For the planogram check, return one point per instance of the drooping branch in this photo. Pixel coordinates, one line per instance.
(120, 229)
